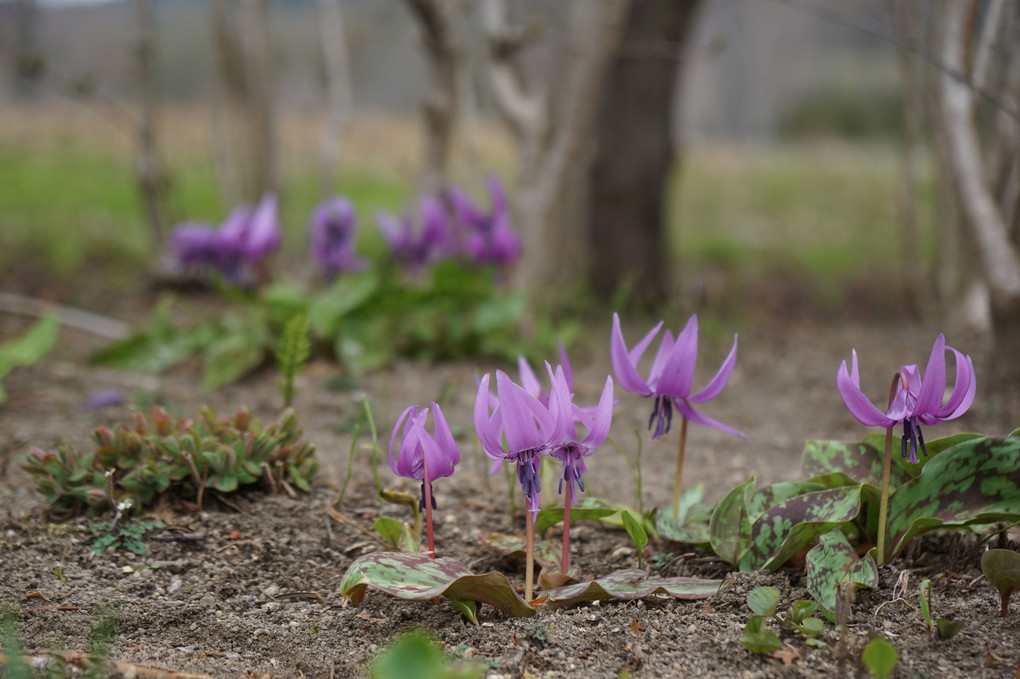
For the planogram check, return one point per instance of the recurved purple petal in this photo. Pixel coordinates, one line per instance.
(856, 402)
(694, 416)
(485, 427)
(529, 380)
(397, 465)
(662, 356)
(715, 386)
(527, 424)
(933, 384)
(624, 362)
(561, 406)
(603, 420)
(964, 389)
(444, 437)
(497, 196)
(678, 373)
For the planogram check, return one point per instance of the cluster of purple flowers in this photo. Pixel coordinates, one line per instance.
(237, 249)
(446, 225)
(449, 225)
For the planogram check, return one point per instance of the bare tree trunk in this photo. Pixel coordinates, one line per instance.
(630, 175)
(440, 105)
(918, 276)
(229, 95)
(29, 64)
(552, 149)
(1001, 260)
(150, 171)
(262, 130)
(339, 94)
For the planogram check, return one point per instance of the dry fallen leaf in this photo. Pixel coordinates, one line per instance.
(635, 628)
(787, 655)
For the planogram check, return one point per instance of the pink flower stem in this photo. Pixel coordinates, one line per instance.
(428, 509)
(678, 483)
(565, 561)
(529, 541)
(899, 379)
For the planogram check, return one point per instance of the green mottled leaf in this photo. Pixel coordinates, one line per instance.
(729, 528)
(977, 481)
(590, 509)
(1002, 568)
(879, 657)
(547, 552)
(832, 562)
(934, 447)
(757, 639)
(637, 533)
(768, 496)
(833, 463)
(417, 577)
(629, 584)
(786, 528)
(763, 600)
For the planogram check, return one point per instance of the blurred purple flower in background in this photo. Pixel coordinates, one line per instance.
(332, 235)
(104, 398)
(422, 238)
(914, 401)
(490, 237)
(237, 249)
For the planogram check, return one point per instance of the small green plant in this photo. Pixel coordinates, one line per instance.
(10, 644)
(128, 534)
(879, 657)
(1002, 568)
(764, 603)
(292, 354)
(944, 629)
(415, 656)
(28, 349)
(160, 454)
(637, 533)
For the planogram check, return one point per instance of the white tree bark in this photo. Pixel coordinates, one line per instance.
(554, 127)
(998, 254)
(339, 92)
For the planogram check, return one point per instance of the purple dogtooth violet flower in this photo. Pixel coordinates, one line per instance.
(672, 375)
(421, 455)
(490, 236)
(194, 244)
(523, 423)
(332, 235)
(430, 241)
(565, 445)
(262, 235)
(915, 400)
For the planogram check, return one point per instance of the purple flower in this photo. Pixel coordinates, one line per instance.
(432, 241)
(262, 235)
(194, 244)
(523, 423)
(565, 445)
(104, 398)
(421, 455)
(332, 235)
(916, 401)
(531, 384)
(672, 375)
(490, 237)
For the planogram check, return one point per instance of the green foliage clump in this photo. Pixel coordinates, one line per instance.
(115, 534)
(132, 466)
(28, 349)
(416, 656)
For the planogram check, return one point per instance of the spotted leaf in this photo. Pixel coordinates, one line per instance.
(417, 577)
(833, 562)
(630, 584)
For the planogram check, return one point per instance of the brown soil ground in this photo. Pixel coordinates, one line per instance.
(219, 605)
